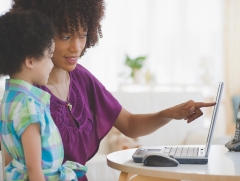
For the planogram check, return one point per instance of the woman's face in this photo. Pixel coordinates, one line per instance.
(68, 48)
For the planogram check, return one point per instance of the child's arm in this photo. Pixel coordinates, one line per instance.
(32, 151)
(7, 157)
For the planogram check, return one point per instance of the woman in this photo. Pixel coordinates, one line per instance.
(83, 110)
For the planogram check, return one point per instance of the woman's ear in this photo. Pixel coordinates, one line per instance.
(29, 62)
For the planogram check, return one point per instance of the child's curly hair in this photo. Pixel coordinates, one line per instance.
(23, 33)
(67, 15)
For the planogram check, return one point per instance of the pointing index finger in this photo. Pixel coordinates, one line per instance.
(203, 104)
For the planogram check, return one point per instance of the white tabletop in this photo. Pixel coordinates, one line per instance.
(222, 165)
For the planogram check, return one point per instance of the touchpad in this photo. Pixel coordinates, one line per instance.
(143, 152)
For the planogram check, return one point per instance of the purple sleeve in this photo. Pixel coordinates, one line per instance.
(104, 109)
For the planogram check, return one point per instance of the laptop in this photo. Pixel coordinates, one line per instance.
(185, 155)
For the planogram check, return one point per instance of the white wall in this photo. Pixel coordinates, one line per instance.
(182, 39)
(5, 6)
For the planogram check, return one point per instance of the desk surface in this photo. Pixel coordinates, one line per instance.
(222, 165)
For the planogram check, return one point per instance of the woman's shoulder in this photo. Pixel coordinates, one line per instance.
(81, 73)
(84, 78)
(81, 70)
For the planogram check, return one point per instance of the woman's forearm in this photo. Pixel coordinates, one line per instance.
(136, 125)
(144, 124)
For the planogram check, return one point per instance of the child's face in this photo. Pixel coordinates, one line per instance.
(43, 67)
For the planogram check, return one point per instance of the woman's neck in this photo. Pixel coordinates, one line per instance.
(58, 83)
(58, 75)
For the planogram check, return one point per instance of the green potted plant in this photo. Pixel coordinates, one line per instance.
(135, 64)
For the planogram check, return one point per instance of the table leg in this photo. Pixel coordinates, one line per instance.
(134, 177)
(144, 178)
(123, 176)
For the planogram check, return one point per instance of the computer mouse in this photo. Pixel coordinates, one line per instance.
(159, 160)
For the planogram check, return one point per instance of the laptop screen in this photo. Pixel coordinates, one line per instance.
(214, 116)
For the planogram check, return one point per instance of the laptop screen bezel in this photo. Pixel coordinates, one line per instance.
(213, 120)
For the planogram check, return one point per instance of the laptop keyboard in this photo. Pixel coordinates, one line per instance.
(181, 151)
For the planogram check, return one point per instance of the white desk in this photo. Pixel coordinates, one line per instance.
(222, 166)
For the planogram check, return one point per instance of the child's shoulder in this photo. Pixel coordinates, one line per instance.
(15, 104)
(17, 100)
(15, 96)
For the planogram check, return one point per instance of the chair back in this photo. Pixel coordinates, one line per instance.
(3, 162)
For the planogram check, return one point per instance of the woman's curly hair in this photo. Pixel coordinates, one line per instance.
(67, 15)
(23, 33)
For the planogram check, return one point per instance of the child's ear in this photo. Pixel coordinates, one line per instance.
(29, 62)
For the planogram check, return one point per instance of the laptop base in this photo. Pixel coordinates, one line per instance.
(192, 161)
(141, 152)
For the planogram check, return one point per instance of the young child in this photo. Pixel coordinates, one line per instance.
(31, 140)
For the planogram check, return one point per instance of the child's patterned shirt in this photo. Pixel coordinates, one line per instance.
(24, 104)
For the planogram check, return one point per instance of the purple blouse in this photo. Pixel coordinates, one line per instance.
(94, 111)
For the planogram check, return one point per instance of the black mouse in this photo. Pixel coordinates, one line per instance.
(159, 160)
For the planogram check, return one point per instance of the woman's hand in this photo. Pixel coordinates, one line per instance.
(135, 125)
(189, 110)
